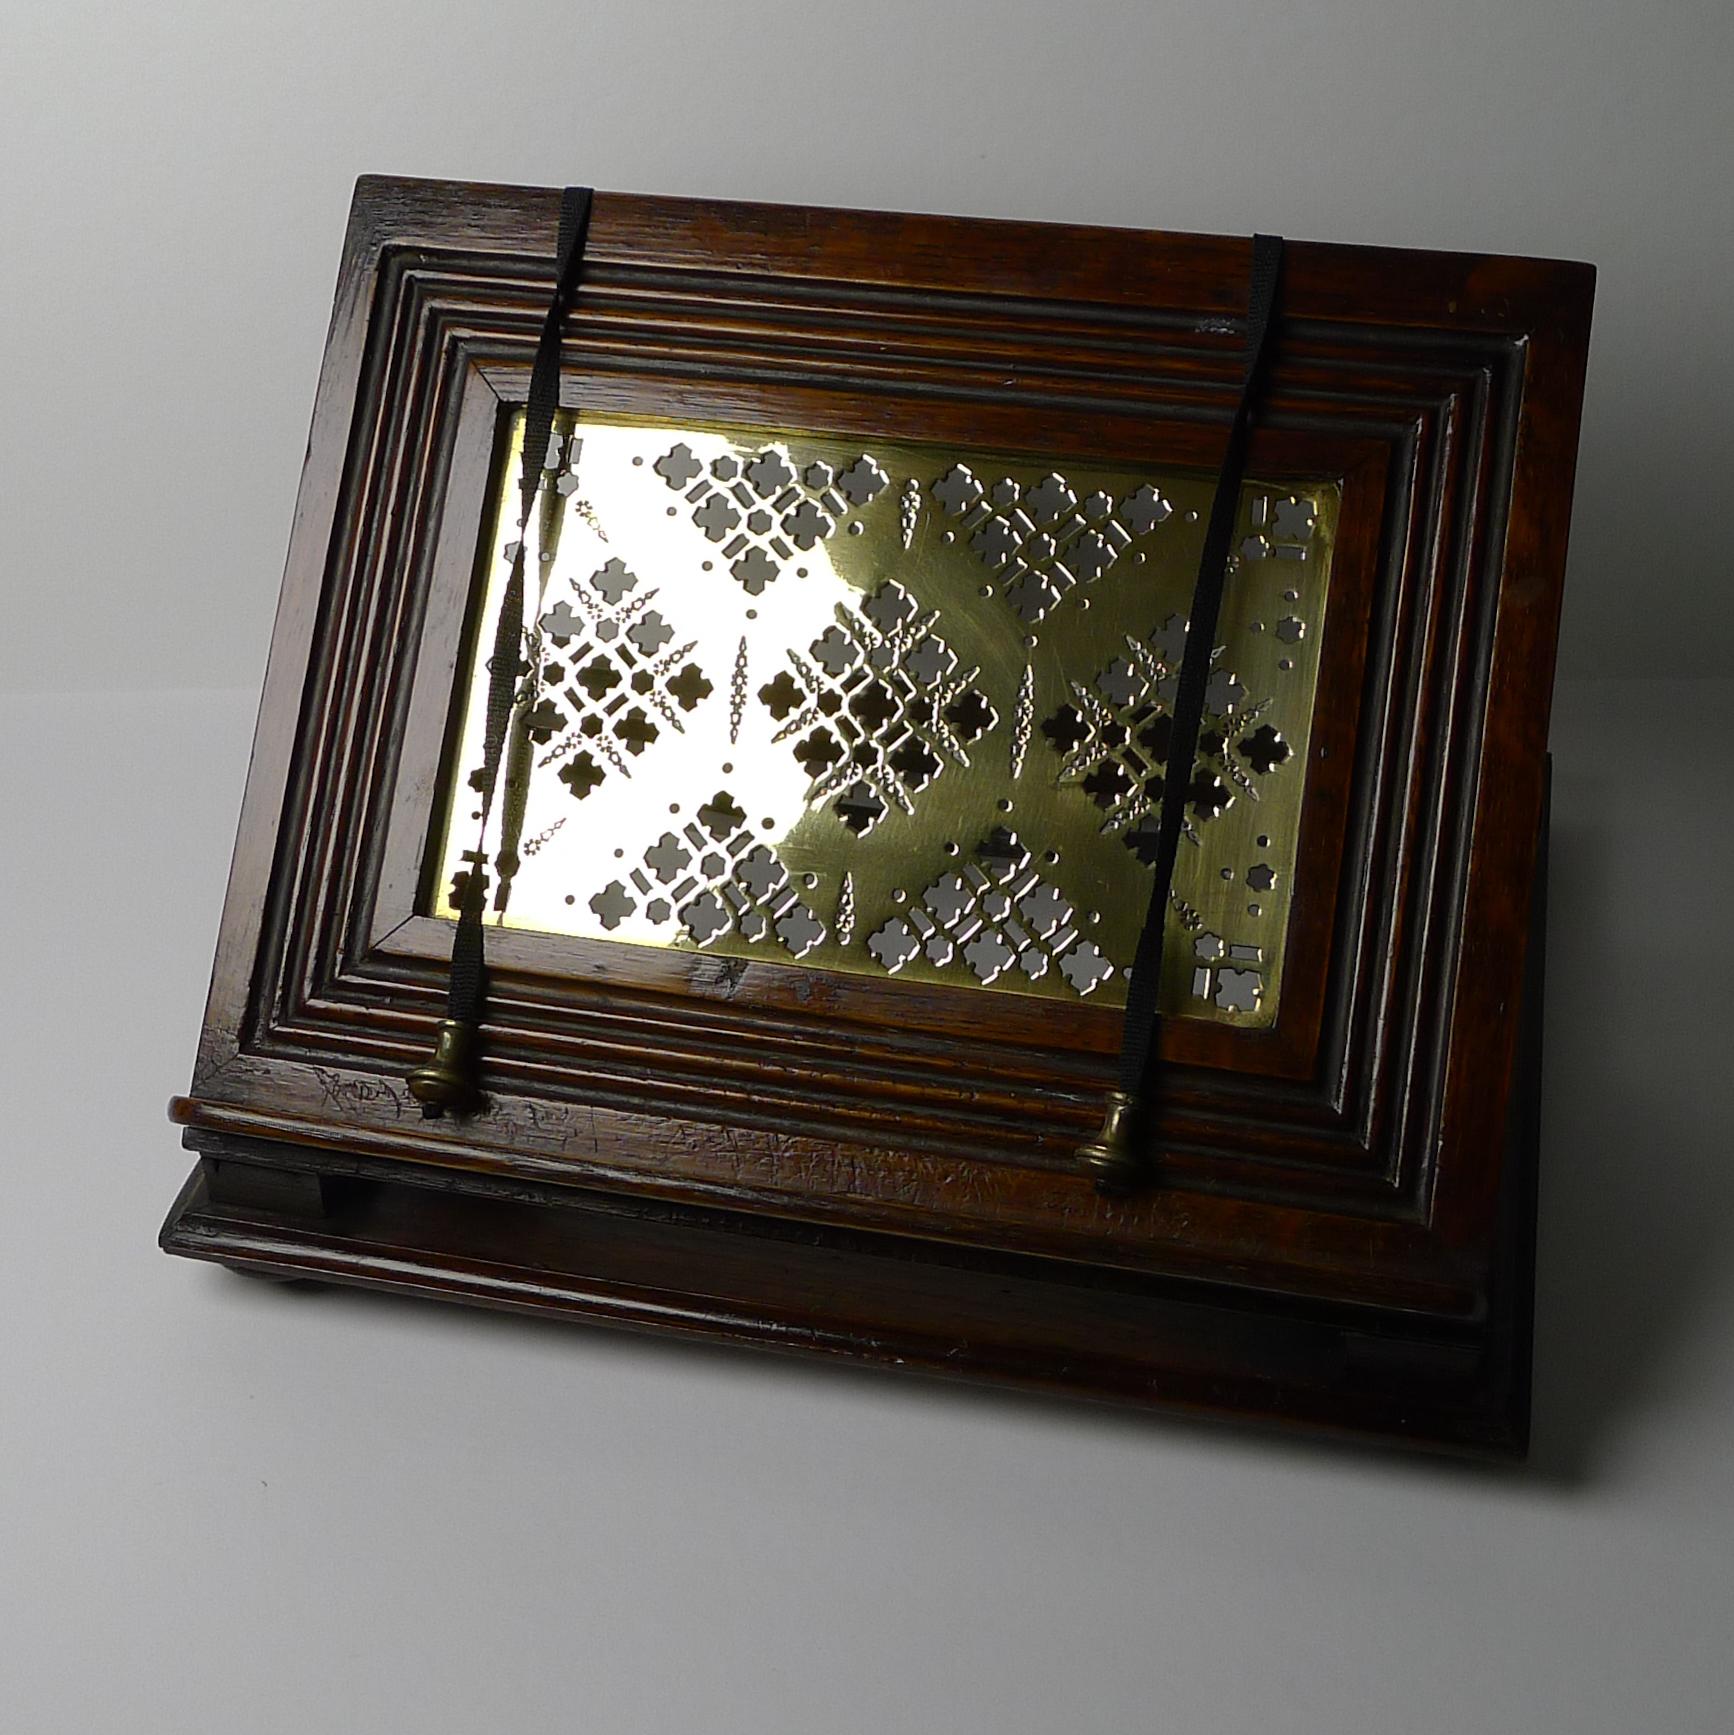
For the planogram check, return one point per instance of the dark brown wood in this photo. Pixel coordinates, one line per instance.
(768, 1283)
(1357, 1157)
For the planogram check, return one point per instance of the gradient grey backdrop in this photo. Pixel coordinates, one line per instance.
(225, 1508)
(178, 176)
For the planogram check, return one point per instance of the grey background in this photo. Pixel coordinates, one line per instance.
(225, 1507)
(178, 176)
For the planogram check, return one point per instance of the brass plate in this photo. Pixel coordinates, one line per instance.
(891, 709)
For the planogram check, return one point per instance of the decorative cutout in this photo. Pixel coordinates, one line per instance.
(880, 709)
(715, 878)
(1022, 719)
(992, 916)
(1282, 529)
(1264, 750)
(1227, 977)
(761, 512)
(1114, 739)
(870, 623)
(1238, 990)
(622, 685)
(1041, 541)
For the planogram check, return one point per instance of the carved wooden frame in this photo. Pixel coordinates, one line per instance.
(1351, 1171)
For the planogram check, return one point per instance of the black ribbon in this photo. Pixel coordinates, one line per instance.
(469, 970)
(1139, 1042)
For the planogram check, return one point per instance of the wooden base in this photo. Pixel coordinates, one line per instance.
(1044, 1325)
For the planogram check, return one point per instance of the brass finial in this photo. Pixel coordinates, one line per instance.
(1109, 1158)
(446, 1080)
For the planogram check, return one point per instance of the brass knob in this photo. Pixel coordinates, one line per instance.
(1108, 1158)
(447, 1078)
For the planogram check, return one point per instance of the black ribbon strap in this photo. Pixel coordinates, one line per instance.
(447, 1079)
(1114, 1158)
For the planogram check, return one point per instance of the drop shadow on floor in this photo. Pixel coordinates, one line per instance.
(1636, 1210)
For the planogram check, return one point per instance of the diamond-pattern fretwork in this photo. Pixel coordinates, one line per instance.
(714, 878)
(877, 708)
(939, 680)
(1113, 740)
(608, 683)
(761, 511)
(1041, 540)
(993, 915)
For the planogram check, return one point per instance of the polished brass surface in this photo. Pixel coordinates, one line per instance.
(447, 1078)
(1108, 1158)
(891, 709)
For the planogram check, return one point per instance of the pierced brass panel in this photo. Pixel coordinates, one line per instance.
(891, 709)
